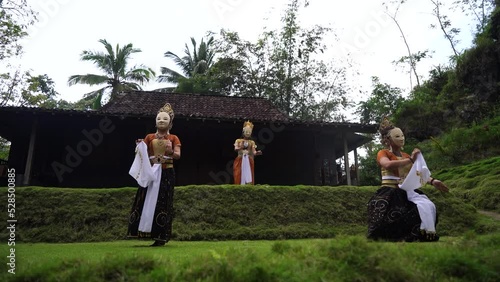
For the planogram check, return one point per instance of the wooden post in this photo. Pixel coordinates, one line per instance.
(356, 166)
(31, 149)
(346, 160)
(334, 164)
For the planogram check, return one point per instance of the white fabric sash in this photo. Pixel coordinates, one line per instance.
(149, 177)
(141, 168)
(148, 211)
(246, 171)
(416, 178)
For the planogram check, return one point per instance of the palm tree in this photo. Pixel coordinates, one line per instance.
(116, 75)
(197, 63)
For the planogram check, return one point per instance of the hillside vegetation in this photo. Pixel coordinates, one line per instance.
(477, 183)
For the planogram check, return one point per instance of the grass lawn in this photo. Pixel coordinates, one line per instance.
(176, 251)
(345, 258)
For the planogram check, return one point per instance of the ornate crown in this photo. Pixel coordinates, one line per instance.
(167, 109)
(248, 123)
(385, 125)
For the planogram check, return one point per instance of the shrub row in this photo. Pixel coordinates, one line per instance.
(223, 212)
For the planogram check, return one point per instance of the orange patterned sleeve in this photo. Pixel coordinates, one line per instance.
(148, 140)
(390, 155)
(381, 154)
(175, 141)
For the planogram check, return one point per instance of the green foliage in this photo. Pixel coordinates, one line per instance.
(200, 84)
(384, 101)
(287, 66)
(464, 145)
(117, 77)
(422, 115)
(479, 9)
(4, 149)
(369, 171)
(196, 63)
(457, 96)
(353, 258)
(224, 212)
(24, 89)
(17, 87)
(15, 17)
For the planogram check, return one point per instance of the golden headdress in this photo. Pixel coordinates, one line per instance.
(167, 108)
(248, 123)
(385, 126)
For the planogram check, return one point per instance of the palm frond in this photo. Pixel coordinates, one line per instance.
(195, 54)
(101, 60)
(122, 56)
(89, 79)
(169, 75)
(108, 47)
(185, 67)
(114, 63)
(140, 75)
(130, 86)
(92, 95)
(97, 104)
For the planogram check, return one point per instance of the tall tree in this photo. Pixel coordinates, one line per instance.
(18, 88)
(385, 100)
(117, 77)
(479, 10)
(15, 17)
(289, 67)
(192, 63)
(449, 32)
(412, 58)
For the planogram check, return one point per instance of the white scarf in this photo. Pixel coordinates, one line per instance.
(141, 169)
(416, 178)
(149, 177)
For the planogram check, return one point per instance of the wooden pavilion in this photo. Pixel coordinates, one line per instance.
(68, 148)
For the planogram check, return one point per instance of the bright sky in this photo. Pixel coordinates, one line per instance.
(67, 27)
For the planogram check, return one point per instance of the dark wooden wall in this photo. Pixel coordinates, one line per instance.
(291, 155)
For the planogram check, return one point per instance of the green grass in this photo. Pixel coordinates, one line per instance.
(346, 258)
(261, 212)
(477, 183)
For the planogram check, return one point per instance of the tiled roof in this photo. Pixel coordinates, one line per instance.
(147, 103)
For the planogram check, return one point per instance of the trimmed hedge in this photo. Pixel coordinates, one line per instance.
(223, 212)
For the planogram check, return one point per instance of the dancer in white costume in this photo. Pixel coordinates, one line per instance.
(399, 211)
(153, 211)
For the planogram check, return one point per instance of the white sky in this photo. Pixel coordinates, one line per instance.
(67, 27)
